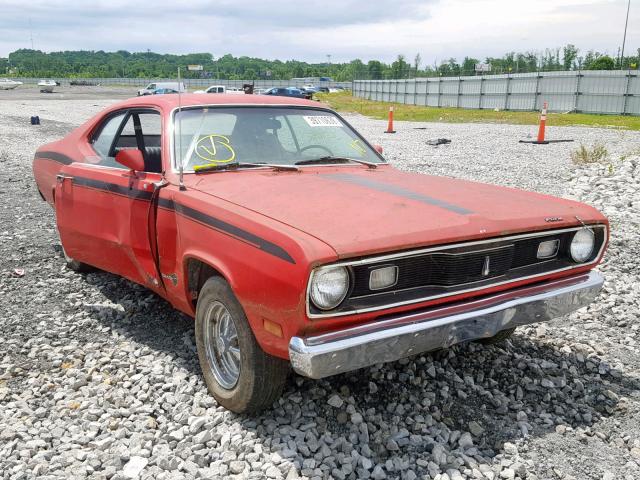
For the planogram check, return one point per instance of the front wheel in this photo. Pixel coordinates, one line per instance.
(239, 375)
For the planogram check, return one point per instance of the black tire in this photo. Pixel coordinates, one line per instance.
(261, 376)
(498, 337)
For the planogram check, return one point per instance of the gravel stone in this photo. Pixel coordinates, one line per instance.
(134, 467)
(99, 378)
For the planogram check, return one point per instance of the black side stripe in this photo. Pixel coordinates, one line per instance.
(397, 190)
(55, 156)
(112, 188)
(191, 213)
(229, 229)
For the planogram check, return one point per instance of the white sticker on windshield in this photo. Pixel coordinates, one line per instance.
(322, 121)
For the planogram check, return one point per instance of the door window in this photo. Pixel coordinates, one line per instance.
(114, 136)
(103, 141)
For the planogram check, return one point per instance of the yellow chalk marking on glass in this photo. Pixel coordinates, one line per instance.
(207, 149)
(358, 147)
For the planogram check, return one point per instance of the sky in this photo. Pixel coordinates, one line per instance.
(309, 30)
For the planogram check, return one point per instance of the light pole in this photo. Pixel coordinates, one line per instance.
(624, 38)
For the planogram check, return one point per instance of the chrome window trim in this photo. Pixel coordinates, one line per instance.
(171, 128)
(383, 258)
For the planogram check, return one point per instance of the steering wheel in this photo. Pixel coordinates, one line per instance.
(321, 147)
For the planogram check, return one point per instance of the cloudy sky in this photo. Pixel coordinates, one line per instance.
(311, 29)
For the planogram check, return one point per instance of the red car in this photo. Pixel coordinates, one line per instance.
(291, 241)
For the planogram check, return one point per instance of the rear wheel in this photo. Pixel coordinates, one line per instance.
(240, 376)
(498, 337)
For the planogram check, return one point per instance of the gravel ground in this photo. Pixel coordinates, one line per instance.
(99, 377)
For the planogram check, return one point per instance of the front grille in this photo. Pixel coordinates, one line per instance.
(447, 270)
(443, 269)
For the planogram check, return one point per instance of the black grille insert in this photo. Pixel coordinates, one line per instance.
(448, 270)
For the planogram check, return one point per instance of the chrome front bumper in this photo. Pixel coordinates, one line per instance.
(408, 334)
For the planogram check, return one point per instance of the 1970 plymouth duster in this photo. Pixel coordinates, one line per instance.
(291, 240)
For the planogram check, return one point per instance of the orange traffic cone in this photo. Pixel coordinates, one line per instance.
(390, 124)
(543, 122)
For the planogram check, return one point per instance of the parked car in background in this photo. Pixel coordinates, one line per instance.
(222, 89)
(163, 91)
(47, 86)
(292, 241)
(289, 92)
(152, 87)
(8, 84)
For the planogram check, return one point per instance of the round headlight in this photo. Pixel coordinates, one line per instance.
(329, 286)
(582, 245)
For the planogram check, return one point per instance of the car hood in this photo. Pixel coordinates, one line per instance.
(359, 211)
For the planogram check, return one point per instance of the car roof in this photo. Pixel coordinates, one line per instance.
(170, 102)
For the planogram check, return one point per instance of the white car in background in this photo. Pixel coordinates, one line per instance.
(47, 86)
(222, 89)
(8, 84)
(152, 87)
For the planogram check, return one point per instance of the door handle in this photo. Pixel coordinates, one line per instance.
(61, 177)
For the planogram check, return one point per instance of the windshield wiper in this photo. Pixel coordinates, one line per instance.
(217, 167)
(335, 159)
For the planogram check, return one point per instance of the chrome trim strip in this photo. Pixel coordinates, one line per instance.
(410, 334)
(384, 258)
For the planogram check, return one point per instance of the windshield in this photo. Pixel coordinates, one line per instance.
(270, 135)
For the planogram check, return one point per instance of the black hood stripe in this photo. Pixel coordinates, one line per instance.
(55, 156)
(396, 190)
(190, 213)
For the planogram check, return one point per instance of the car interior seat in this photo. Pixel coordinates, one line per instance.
(255, 140)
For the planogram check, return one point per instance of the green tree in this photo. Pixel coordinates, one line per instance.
(399, 68)
(603, 62)
(375, 69)
(569, 56)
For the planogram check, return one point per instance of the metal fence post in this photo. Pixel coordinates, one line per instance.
(575, 104)
(481, 92)
(439, 90)
(459, 91)
(626, 93)
(535, 95)
(507, 92)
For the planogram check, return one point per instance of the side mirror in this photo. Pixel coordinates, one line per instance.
(378, 148)
(131, 158)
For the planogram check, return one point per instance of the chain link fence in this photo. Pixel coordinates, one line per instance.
(191, 83)
(592, 91)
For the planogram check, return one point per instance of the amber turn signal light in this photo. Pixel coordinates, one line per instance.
(272, 327)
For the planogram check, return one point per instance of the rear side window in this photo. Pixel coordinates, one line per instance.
(104, 139)
(150, 123)
(114, 136)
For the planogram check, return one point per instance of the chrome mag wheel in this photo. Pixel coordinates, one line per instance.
(221, 345)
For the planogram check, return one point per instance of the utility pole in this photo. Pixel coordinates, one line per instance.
(31, 33)
(624, 38)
